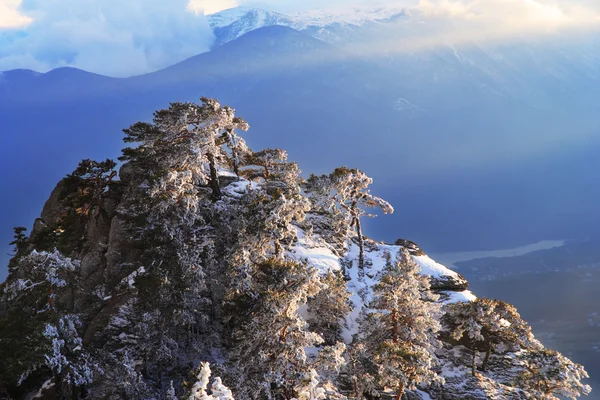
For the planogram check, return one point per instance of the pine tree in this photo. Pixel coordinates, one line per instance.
(200, 389)
(361, 370)
(186, 145)
(90, 179)
(128, 382)
(38, 291)
(266, 217)
(348, 188)
(547, 375)
(270, 350)
(174, 191)
(485, 324)
(400, 333)
(329, 307)
(325, 218)
(71, 364)
(21, 242)
(268, 164)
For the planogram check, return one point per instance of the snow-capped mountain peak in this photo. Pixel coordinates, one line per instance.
(242, 14)
(230, 24)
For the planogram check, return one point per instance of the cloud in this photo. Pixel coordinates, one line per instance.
(111, 37)
(129, 37)
(10, 18)
(515, 16)
(212, 6)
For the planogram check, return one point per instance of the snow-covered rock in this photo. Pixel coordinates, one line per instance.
(316, 253)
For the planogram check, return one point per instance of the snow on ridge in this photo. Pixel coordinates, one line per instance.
(320, 257)
(357, 15)
(321, 17)
(317, 254)
(324, 259)
(249, 18)
(432, 268)
(227, 17)
(459, 297)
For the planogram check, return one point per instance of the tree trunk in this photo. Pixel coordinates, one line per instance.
(361, 247)
(488, 352)
(395, 325)
(474, 362)
(400, 392)
(236, 162)
(355, 385)
(214, 178)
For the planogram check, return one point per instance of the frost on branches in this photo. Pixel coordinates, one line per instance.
(271, 346)
(206, 250)
(200, 388)
(186, 145)
(43, 273)
(67, 359)
(549, 375)
(487, 324)
(343, 196)
(399, 334)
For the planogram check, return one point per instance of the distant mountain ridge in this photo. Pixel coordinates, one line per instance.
(467, 124)
(230, 24)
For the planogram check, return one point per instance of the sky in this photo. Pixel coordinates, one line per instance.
(124, 38)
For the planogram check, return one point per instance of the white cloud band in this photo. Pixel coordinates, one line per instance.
(10, 17)
(112, 37)
(122, 38)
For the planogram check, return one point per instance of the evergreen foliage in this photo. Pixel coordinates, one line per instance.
(486, 324)
(549, 375)
(204, 250)
(400, 333)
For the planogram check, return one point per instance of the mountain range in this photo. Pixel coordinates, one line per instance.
(477, 144)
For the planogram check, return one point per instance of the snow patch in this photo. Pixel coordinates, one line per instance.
(130, 279)
(46, 386)
(315, 253)
(459, 297)
(322, 258)
(432, 268)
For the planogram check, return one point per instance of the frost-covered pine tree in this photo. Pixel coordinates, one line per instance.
(91, 178)
(200, 389)
(270, 348)
(325, 218)
(348, 188)
(269, 164)
(485, 324)
(549, 375)
(266, 215)
(39, 290)
(187, 144)
(128, 382)
(399, 332)
(361, 370)
(69, 362)
(171, 203)
(43, 275)
(329, 307)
